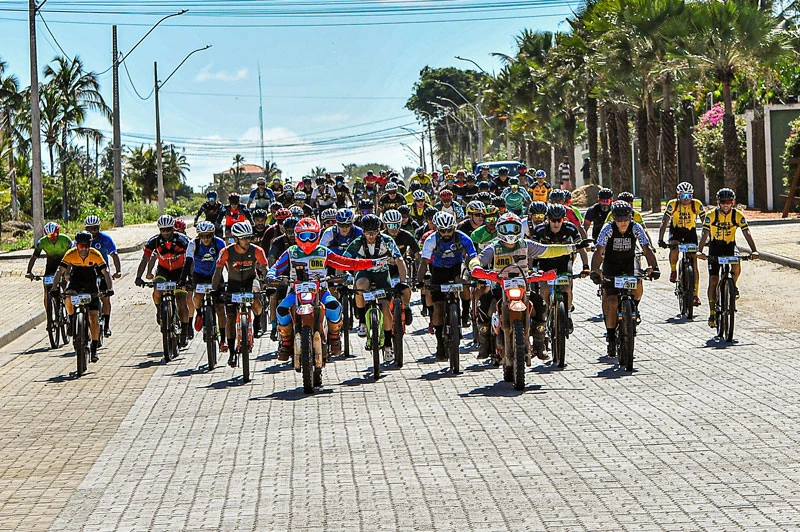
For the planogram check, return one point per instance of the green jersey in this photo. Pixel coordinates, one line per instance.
(53, 250)
(481, 237)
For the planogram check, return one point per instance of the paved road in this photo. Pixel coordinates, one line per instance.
(700, 437)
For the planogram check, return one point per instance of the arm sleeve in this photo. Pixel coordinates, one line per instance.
(280, 266)
(346, 263)
(429, 245)
(413, 246)
(469, 247)
(487, 257)
(261, 257)
(605, 234)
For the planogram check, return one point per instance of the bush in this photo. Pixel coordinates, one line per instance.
(710, 145)
(791, 151)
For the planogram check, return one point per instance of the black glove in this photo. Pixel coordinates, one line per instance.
(270, 290)
(655, 274)
(596, 278)
(662, 244)
(585, 243)
(400, 286)
(138, 282)
(108, 293)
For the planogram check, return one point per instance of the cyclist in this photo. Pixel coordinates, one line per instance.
(446, 204)
(106, 246)
(358, 189)
(616, 254)
(287, 198)
(475, 214)
(54, 245)
(407, 245)
(323, 196)
(198, 268)
(365, 207)
(392, 199)
(300, 198)
(500, 203)
(233, 213)
(276, 186)
(273, 209)
(596, 214)
(559, 197)
(260, 197)
(315, 258)
(169, 247)
(445, 251)
(482, 235)
(297, 212)
(406, 223)
(243, 260)
(418, 206)
(681, 216)
(483, 174)
(84, 264)
(327, 218)
(540, 189)
(719, 231)
(559, 231)
(537, 211)
(371, 183)
(522, 173)
(426, 227)
(343, 196)
(500, 182)
(212, 209)
(423, 179)
(259, 223)
(511, 248)
(275, 230)
(515, 196)
(304, 186)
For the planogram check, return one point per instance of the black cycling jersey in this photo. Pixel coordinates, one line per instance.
(387, 202)
(597, 216)
(405, 242)
(466, 227)
(568, 234)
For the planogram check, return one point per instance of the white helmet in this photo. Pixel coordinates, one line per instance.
(509, 228)
(684, 188)
(300, 196)
(327, 214)
(419, 195)
(91, 220)
(444, 220)
(391, 187)
(241, 229)
(205, 228)
(165, 221)
(392, 216)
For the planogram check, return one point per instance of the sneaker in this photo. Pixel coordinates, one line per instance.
(107, 333)
(273, 335)
(611, 350)
(712, 321)
(697, 301)
(362, 330)
(673, 277)
(198, 323)
(388, 354)
(223, 347)
(232, 360)
(95, 358)
(737, 292)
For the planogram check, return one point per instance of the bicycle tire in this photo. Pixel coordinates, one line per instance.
(81, 347)
(63, 322)
(244, 346)
(627, 330)
(688, 291)
(397, 335)
(347, 324)
(307, 358)
(730, 311)
(166, 330)
(210, 325)
(561, 333)
(722, 305)
(374, 325)
(452, 341)
(519, 355)
(53, 331)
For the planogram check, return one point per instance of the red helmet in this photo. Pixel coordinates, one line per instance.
(180, 225)
(283, 213)
(306, 234)
(446, 194)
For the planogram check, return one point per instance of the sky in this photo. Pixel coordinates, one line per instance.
(329, 69)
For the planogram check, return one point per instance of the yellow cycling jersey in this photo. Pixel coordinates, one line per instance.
(83, 271)
(540, 191)
(722, 227)
(418, 213)
(423, 179)
(684, 216)
(637, 217)
(410, 198)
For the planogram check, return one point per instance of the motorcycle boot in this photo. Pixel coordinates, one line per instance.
(334, 338)
(287, 342)
(537, 334)
(484, 341)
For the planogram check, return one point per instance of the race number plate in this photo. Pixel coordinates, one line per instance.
(561, 280)
(48, 279)
(728, 260)
(305, 288)
(374, 295)
(687, 248)
(457, 287)
(203, 288)
(516, 282)
(628, 283)
(166, 287)
(242, 297)
(81, 299)
(394, 281)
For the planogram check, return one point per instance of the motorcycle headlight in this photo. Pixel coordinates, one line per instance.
(307, 297)
(514, 293)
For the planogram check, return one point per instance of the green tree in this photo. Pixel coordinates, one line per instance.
(11, 99)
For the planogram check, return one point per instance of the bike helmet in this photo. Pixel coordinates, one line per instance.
(282, 214)
(370, 222)
(446, 194)
(605, 194)
(420, 170)
(444, 220)
(484, 166)
(390, 187)
(234, 197)
(392, 216)
(724, 194)
(261, 181)
(288, 188)
(499, 202)
(51, 228)
(491, 213)
(567, 195)
(419, 195)
(625, 196)
(345, 216)
(429, 213)
(537, 208)
(509, 228)
(165, 221)
(365, 205)
(483, 185)
(300, 196)
(211, 195)
(475, 207)
(306, 234)
(621, 208)
(445, 167)
(260, 213)
(503, 170)
(556, 212)
(414, 186)
(297, 212)
(275, 205)
(320, 180)
(288, 226)
(404, 210)
(540, 174)
(241, 230)
(522, 168)
(556, 196)
(205, 228)
(83, 237)
(470, 178)
(483, 197)
(180, 225)
(684, 188)
(328, 215)
(91, 220)
(513, 181)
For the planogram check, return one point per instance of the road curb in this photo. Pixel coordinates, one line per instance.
(22, 328)
(771, 257)
(128, 249)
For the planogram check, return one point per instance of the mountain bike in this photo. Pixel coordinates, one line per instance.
(82, 337)
(374, 325)
(684, 285)
(558, 317)
(56, 312)
(344, 290)
(169, 319)
(210, 332)
(725, 306)
(244, 329)
(398, 322)
(451, 332)
(626, 317)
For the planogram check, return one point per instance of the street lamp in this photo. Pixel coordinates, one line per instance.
(477, 110)
(421, 139)
(159, 86)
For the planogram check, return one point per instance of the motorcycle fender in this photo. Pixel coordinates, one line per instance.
(516, 306)
(305, 309)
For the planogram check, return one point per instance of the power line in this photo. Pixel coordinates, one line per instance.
(53, 36)
(125, 66)
(279, 97)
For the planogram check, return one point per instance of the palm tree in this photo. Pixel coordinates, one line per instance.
(317, 171)
(141, 167)
(270, 169)
(10, 101)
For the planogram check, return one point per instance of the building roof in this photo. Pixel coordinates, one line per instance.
(245, 169)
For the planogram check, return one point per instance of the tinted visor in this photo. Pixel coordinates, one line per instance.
(307, 236)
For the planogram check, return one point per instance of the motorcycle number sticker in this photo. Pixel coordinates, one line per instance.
(501, 262)
(305, 288)
(316, 264)
(516, 282)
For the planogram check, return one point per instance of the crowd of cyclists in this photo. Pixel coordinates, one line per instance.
(435, 229)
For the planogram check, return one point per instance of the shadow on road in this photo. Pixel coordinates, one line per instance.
(481, 366)
(58, 379)
(295, 394)
(273, 355)
(146, 364)
(678, 320)
(613, 372)
(155, 354)
(188, 372)
(38, 350)
(227, 383)
(277, 368)
(365, 378)
(430, 359)
(438, 374)
(501, 389)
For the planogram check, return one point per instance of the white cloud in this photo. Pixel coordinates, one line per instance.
(220, 75)
(330, 118)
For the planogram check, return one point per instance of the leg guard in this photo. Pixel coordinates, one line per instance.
(287, 342)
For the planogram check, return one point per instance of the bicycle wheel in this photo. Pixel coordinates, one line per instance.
(81, 346)
(244, 346)
(210, 325)
(397, 336)
(519, 355)
(374, 325)
(688, 290)
(730, 310)
(63, 322)
(722, 308)
(347, 324)
(53, 331)
(307, 358)
(453, 339)
(560, 334)
(167, 331)
(627, 337)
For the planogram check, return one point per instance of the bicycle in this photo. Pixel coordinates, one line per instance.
(170, 321)
(210, 332)
(56, 312)
(626, 317)
(451, 332)
(374, 325)
(398, 322)
(684, 286)
(344, 291)
(725, 306)
(557, 317)
(244, 329)
(82, 336)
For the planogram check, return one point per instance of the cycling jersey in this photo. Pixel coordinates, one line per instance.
(446, 254)
(405, 242)
(388, 202)
(422, 179)
(337, 242)
(271, 233)
(83, 273)
(498, 185)
(540, 191)
(619, 256)
(105, 245)
(684, 216)
(522, 254)
(596, 215)
(417, 214)
(212, 212)
(279, 245)
(324, 196)
(481, 236)
(261, 199)
(342, 194)
(722, 227)
(454, 209)
(204, 257)
(515, 193)
(231, 215)
(315, 263)
(568, 234)
(56, 250)
(467, 192)
(241, 266)
(466, 227)
(383, 247)
(409, 225)
(170, 253)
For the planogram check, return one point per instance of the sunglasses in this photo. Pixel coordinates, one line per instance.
(556, 220)
(206, 236)
(370, 233)
(478, 215)
(605, 202)
(82, 245)
(392, 226)
(93, 228)
(344, 225)
(686, 196)
(726, 202)
(307, 236)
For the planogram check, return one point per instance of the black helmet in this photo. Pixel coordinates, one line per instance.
(537, 207)
(429, 212)
(483, 197)
(625, 196)
(233, 197)
(726, 194)
(503, 170)
(275, 205)
(370, 222)
(605, 193)
(320, 180)
(365, 204)
(556, 212)
(260, 213)
(404, 210)
(289, 224)
(621, 208)
(211, 195)
(498, 202)
(83, 237)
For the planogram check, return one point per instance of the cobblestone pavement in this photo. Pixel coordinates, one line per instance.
(778, 239)
(701, 436)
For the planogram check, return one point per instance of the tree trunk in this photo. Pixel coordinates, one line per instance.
(653, 168)
(570, 126)
(52, 160)
(644, 154)
(624, 144)
(12, 168)
(64, 195)
(733, 166)
(605, 160)
(668, 146)
(591, 133)
(613, 148)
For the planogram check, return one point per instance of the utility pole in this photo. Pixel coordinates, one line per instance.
(116, 151)
(261, 120)
(430, 143)
(160, 170)
(37, 200)
(480, 127)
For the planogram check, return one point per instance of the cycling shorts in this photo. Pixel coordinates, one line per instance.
(443, 276)
(378, 279)
(719, 248)
(683, 235)
(168, 275)
(199, 278)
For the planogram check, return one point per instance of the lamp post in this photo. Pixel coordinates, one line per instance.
(159, 86)
(477, 110)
